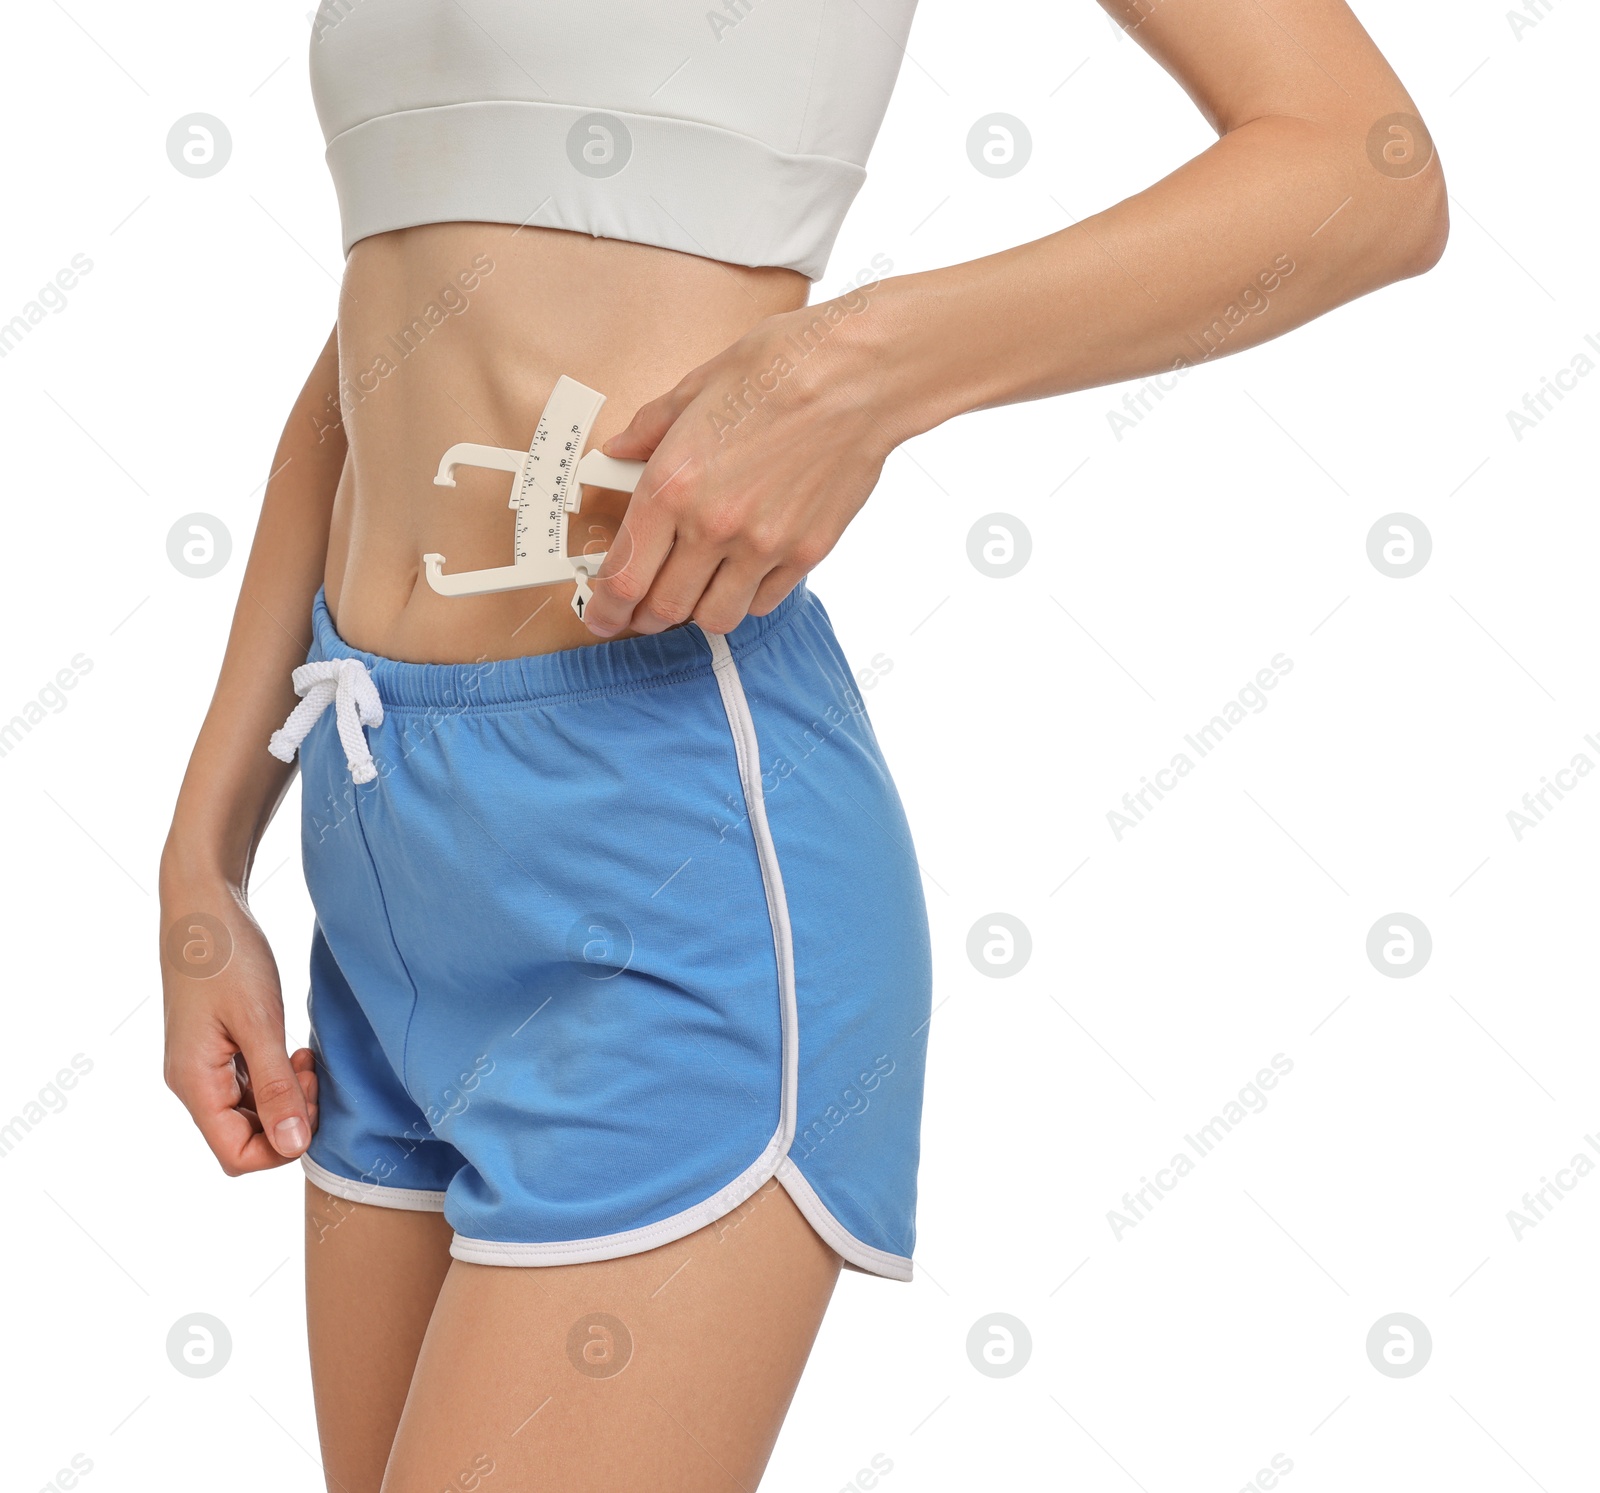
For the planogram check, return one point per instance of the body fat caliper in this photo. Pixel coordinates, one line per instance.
(551, 474)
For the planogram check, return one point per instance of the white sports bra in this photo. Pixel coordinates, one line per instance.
(739, 132)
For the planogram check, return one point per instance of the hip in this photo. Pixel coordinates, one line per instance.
(608, 936)
(659, 787)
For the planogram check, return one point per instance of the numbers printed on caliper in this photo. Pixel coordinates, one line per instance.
(549, 485)
(552, 499)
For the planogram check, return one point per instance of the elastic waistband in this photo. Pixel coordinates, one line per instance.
(592, 669)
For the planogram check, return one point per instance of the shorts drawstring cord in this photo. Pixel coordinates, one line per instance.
(347, 684)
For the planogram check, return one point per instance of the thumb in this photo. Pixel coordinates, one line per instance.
(280, 1100)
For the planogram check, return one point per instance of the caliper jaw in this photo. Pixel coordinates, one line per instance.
(572, 407)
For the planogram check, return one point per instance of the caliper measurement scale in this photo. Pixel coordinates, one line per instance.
(551, 475)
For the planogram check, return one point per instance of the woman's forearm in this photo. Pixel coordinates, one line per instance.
(1322, 186)
(233, 785)
(1279, 221)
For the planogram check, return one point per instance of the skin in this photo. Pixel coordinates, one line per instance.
(421, 1364)
(724, 522)
(719, 1324)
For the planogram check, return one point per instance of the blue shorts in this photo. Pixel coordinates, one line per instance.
(609, 938)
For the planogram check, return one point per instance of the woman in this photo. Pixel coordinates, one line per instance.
(620, 978)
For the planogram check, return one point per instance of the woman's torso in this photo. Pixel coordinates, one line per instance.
(457, 331)
(660, 147)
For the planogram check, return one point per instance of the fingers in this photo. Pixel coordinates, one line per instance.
(213, 1090)
(775, 585)
(709, 534)
(676, 590)
(218, 1090)
(638, 439)
(275, 1093)
(626, 574)
(304, 1063)
(644, 540)
(727, 600)
(717, 576)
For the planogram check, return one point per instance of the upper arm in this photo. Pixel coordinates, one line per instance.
(1312, 62)
(1244, 59)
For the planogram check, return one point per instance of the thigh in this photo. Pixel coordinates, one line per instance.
(669, 1370)
(372, 1277)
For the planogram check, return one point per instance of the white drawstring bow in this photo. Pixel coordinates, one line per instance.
(347, 684)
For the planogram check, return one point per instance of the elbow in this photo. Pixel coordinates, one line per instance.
(1424, 228)
(1412, 197)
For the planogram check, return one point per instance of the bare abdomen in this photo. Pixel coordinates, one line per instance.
(457, 332)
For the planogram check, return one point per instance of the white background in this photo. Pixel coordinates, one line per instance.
(1167, 568)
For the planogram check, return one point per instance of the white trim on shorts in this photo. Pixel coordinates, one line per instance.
(413, 1199)
(774, 1161)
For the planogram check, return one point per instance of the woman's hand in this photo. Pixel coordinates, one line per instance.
(255, 1105)
(757, 460)
(1323, 186)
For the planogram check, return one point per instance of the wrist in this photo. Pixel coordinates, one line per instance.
(899, 356)
(191, 864)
